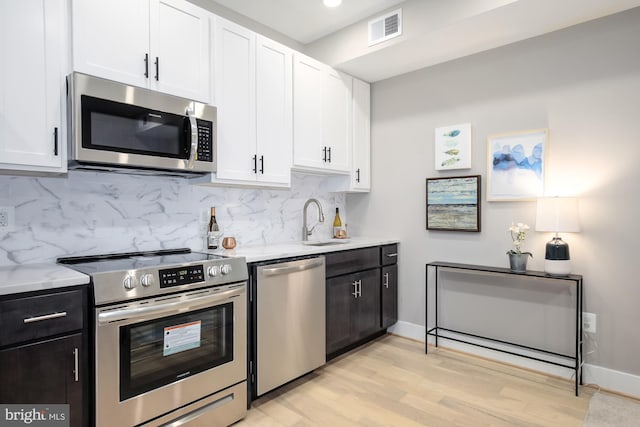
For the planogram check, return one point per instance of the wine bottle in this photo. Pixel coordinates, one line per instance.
(213, 233)
(337, 224)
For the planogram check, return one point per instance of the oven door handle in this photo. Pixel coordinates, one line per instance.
(194, 137)
(166, 308)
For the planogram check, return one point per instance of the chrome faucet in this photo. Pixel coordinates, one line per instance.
(305, 231)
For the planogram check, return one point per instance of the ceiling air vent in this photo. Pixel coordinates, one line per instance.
(385, 27)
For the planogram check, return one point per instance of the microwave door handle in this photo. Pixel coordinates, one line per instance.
(194, 137)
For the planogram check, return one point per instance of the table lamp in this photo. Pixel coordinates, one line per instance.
(557, 214)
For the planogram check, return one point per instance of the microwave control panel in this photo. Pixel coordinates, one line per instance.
(205, 141)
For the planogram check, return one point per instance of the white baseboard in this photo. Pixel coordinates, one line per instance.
(613, 380)
(616, 381)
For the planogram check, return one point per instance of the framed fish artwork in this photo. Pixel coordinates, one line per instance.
(453, 147)
(517, 165)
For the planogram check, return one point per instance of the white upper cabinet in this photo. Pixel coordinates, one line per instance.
(253, 94)
(321, 117)
(235, 98)
(111, 39)
(308, 148)
(180, 47)
(274, 111)
(32, 57)
(361, 170)
(163, 45)
(337, 119)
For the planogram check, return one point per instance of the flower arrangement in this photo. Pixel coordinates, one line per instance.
(518, 234)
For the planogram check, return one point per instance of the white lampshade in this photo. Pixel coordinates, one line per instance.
(557, 214)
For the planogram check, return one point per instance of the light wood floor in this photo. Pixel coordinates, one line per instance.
(391, 382)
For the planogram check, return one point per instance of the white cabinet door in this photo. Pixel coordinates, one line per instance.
(253, 96)
(322, 117)
(111, 39)
(32, 52)
(157, 44)
(337, 115)
(307, 113)
(235, 99)
(361, 170)
(274, 111)
(179, 48)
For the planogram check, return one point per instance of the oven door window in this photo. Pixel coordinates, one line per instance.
(162, 351)
(124, 128)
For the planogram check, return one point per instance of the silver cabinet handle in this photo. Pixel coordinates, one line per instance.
(392, 255)
(194, 136)
(386, 280)
(357, 288)
(45, 317)
(75, 365)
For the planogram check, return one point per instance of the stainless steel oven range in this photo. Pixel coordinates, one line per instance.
(170, 338)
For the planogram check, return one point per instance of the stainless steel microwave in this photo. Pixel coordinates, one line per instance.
(121, 128)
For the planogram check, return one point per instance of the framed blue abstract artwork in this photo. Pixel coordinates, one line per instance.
(516, 165)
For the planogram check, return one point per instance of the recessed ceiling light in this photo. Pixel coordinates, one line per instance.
(332, 3)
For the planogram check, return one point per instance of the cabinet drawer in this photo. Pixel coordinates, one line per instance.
(389, 254)
(344, 262)
(24, 319)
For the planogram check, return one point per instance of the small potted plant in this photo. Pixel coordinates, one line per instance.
(517, 258)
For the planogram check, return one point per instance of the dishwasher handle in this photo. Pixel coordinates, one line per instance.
(292, 267)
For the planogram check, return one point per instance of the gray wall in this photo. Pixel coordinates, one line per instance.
(583, 83)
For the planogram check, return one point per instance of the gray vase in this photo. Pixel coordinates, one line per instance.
(518, 262)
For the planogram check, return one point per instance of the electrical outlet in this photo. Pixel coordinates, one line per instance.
(589, 322)
(7, 214)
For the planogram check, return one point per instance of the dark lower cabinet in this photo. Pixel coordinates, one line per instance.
(389, 296)
(44, 373)
(353, 308)
(43, 351)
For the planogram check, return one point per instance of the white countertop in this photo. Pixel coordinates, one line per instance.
(35, 277)
(294, 249)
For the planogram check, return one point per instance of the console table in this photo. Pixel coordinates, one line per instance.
(573, 361)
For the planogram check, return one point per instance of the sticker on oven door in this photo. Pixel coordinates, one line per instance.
(181, 337)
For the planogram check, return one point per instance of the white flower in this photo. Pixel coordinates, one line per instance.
(518, 235)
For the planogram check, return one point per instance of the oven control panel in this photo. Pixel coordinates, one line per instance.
(181, 276)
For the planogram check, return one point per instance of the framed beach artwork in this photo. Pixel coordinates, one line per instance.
(453, 204)
(453, 147)
(516, 165)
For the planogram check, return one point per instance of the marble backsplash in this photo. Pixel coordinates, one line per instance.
(95, 213)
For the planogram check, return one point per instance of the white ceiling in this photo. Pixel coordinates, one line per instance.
(306, 20)
(435, 31)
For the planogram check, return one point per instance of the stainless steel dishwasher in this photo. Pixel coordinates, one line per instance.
(290, 321)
